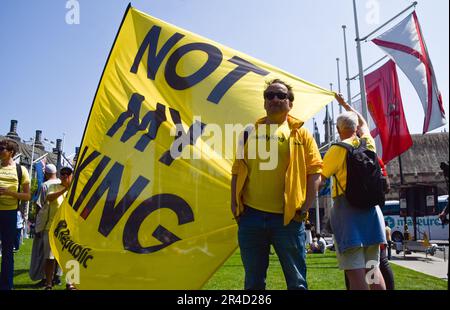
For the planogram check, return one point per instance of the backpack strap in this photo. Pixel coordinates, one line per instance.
(346, 146)
(19, 180)
(349, 148)
(19, 176)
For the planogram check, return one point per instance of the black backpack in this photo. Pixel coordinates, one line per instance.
(365, 186)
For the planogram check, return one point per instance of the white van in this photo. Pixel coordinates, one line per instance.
(431, 225)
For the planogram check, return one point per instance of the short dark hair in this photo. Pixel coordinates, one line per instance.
(278, 81)
(66, 170)
(10, 145)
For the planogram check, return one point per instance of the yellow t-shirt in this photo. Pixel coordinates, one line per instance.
(265, 185)
(9, 179)
(335, 163)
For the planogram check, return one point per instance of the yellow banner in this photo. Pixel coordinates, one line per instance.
(149, 207)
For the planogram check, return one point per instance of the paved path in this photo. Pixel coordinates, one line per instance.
(431, 265)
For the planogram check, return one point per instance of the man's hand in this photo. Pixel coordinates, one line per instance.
(341, 101)
(65, 183)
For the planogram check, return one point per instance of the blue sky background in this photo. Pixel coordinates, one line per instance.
(50, 69)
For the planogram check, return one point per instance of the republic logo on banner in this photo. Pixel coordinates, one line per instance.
(149, 207)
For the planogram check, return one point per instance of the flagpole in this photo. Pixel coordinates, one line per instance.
(25, 232)
(349, 96)
(412, 5)
(339, 82)
(402, 180)
(332, 116)
(316, 202)
(362, 85)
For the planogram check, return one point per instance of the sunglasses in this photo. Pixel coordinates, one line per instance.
(65, 174)
(2, 148)
(270, 95)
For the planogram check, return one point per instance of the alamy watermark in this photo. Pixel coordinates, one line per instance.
(73, 272)
(73, 13)
(373, 12)
(372, 276)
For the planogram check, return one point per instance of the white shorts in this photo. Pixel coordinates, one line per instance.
(366, 257)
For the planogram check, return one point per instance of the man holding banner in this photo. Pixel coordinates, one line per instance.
(270, 202)
(146, 207)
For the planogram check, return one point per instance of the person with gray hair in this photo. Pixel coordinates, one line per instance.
(347, 120)
(358, 232)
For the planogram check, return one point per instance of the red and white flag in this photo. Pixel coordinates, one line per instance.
(404, 43)
(384, 103)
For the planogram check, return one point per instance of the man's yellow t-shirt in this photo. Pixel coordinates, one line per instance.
(265, 187)
(335, 163)
(9, 179)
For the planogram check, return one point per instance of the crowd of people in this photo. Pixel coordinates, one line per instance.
(269, 205)
(15, 187)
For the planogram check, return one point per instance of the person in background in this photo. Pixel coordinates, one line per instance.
(357, 233)
(53, 196)
(389, 240)
(19, 230)
(12, 190)
(309, 239)
(320, 246)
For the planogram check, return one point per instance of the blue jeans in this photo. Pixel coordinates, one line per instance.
(257, 231)
(8, 222)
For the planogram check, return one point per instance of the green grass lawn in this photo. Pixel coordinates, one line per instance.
(323, 274)
(22, 265)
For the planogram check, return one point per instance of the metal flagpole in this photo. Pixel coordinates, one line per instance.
(316, 203)
(339, 82)
(349, 96)
(332, 116)
(27, 208)
(362, 85)
(412, 5)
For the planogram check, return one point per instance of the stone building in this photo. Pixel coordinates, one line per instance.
(421, 163)
(26, 149)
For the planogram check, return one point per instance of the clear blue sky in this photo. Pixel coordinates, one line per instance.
(50, 70)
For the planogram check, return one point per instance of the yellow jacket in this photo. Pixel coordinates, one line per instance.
(304, 159)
